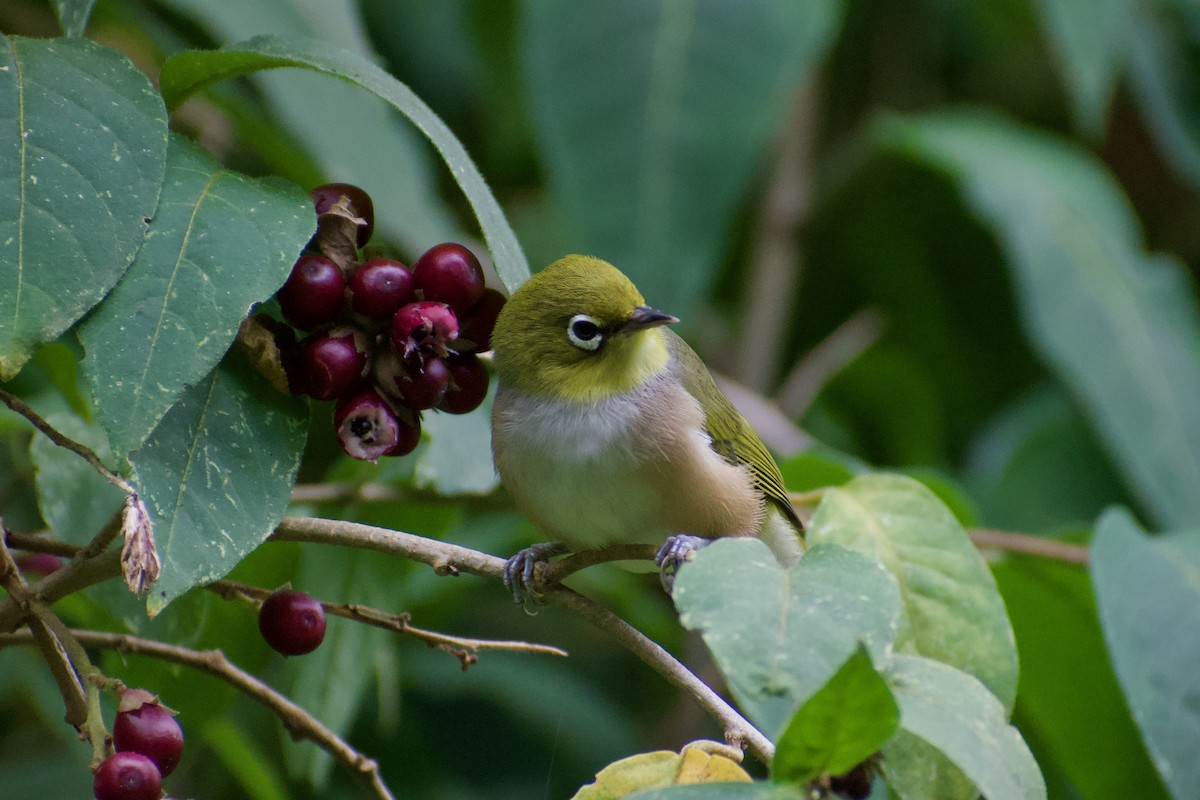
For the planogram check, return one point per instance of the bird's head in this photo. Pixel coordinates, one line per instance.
(579, 330)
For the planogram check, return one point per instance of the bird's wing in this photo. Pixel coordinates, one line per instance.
(732, 437)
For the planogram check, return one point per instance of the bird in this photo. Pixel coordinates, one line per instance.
(607, 428)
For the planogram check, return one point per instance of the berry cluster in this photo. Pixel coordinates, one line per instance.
(149, 743)
(385, 342)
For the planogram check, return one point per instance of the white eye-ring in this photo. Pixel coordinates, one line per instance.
(585, 332)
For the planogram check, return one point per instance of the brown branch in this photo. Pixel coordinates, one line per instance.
(84, 452)
(1029, 545)
(299, 722)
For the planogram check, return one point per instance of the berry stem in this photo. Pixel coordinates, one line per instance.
(54, 435)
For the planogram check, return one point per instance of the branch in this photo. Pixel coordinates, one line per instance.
(1030, 545)
(299, 722)
(834, 353)
(84, 452)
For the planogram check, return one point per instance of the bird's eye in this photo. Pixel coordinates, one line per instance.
(584, 332)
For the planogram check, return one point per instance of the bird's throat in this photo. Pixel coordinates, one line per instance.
(630, 363)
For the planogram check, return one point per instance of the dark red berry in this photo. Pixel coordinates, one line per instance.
(468, 384)
(379, 287)
(127, 776)
(293, 623)
(334, 363)
(410, 433)
(422, 385)
(475, 334)
(366, 426)
(424, 328)
(451, 274)
(39, 563)
(314, 292)
(326, 196)
(149, 729)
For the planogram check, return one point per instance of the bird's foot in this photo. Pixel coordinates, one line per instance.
(518, 571)
(676, 550)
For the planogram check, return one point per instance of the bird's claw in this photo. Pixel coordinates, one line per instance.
(519, 572)
(674, 552)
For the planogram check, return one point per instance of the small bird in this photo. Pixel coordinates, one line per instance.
(608, 429)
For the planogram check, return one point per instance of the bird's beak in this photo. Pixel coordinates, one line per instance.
(644, 317)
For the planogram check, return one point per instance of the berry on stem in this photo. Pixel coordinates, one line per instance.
(424, 327)
(422, 385)
(333, 363)
(293, 623)
(379, 287)
(40, 563)
(475, 333)
(313, 293)
(449, 273)
(468, 384)
(366, 426)
(127, 776)
(326, 196)
(144, 726)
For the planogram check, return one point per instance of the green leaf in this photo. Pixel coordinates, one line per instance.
(219, 243)
(1118, 326)
(779, 635)
(724, 791)
(952, 609)
(1069, 703)
(1091, 43)
(380, 152)
(653, 117)
(188, 72)
(811, 470)
(847, 720)
(955, 713)
(1148, 591)
(83, 138)
(75, 500)
(459, 458)
(216, 475)
(73, 15)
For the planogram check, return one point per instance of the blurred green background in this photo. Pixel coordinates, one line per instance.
(952, 239)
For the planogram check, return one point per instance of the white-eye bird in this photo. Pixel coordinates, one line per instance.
(608, 429)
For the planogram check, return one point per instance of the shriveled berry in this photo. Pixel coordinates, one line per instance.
(293, 623)
(334, 363)
(326, 196)
(39, 563)
(468, 384)
(149, 729)
(314, 293)
(449, 273)
(379, 287)
(127, 776)
(366, 426)
(424, 328)
(476, 326)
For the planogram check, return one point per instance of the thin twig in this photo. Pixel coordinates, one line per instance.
(834, 353)
(84, 452)
(1030, 545)
(299, 722)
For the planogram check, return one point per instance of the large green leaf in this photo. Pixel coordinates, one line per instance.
(653, 116)
(459, 460)
(1090, 40)
(1069, 703)
(956, 714)
(953, 611)
(188, 72)
(1148, 591)
(219, 243)
(379, 152)
(840, 726)
(779, 635)
(83, 139)
(1117, 325)
(216, 475)
(725, 791)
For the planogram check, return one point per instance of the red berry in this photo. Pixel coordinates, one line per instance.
(475, 335)
(468, 384)
(314, 292)
(40, 563)
(410, 435)
(366, 426)
(326, 196)
(379, 287)
(449, 273)
(127, 776)
(151, 730)
(422, 328)
(293, 623)
(334, 363)
(422, 385)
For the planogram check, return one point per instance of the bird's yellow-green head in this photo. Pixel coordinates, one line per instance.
(579, 330)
